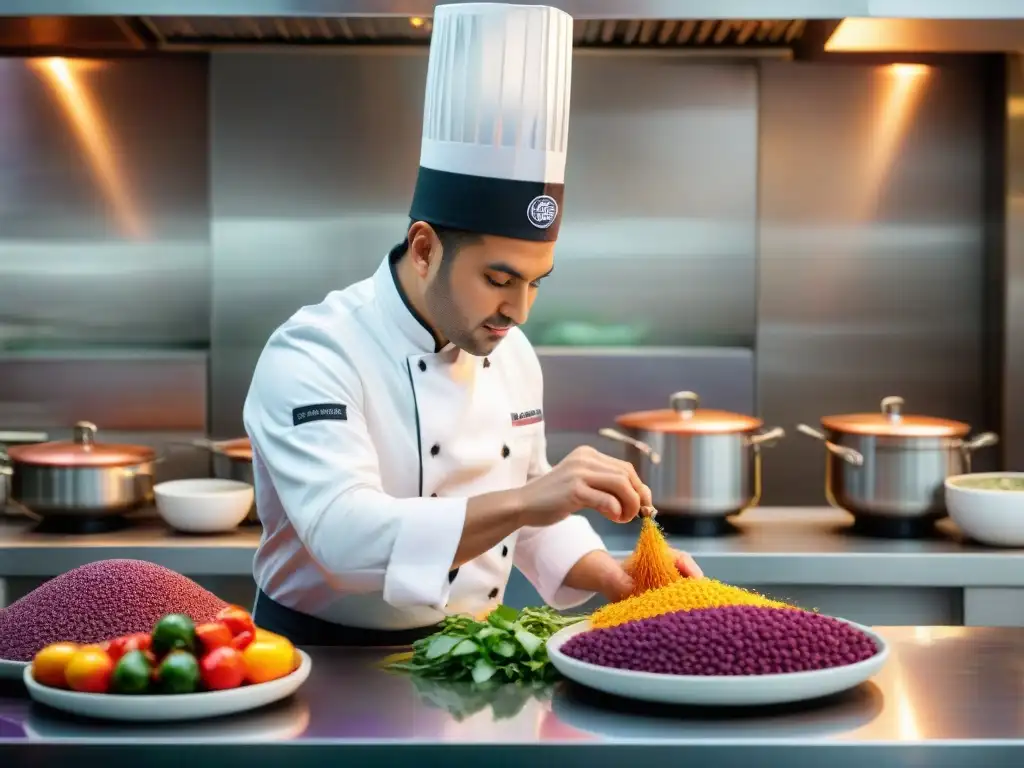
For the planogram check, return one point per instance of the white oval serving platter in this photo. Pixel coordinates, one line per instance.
(155, 708)
(707, 690)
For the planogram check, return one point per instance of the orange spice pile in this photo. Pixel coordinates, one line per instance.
(682, 595)
(660, 588)
(651, 565)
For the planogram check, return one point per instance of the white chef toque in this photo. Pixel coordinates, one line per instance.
(496, 120)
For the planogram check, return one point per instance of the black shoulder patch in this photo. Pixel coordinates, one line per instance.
(319, 412)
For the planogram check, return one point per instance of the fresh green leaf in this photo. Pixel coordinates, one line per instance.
(505, 648)
(465, 647)
(529, 641)
(499, 622)
(441, 645)
(483, 671)
(505, 612)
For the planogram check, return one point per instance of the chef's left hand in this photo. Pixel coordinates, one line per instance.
(600, 572)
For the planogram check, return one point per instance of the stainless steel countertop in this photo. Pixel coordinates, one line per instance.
(801, 545)
(961, 689)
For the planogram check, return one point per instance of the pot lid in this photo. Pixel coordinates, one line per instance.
(239, 448)
(81, 451)
(891, 421)
(684, 415)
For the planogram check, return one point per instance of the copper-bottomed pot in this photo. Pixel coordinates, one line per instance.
(81, 476)
(696, 461)
(892, 464)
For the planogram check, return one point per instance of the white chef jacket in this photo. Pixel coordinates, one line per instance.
(367, 443)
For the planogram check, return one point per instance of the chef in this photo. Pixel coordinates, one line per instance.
(397, 427)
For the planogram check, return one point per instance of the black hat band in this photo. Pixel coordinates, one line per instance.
(524, 210)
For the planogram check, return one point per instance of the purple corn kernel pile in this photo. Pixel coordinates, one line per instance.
(99, 601)
(727, 641)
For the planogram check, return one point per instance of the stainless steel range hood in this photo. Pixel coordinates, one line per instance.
(170, 25)
(579, 9)
(743, 27)
(705, 34)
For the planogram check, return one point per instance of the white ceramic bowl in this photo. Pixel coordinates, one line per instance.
(990, 516)
(203, 505)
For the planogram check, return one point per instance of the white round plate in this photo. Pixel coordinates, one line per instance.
(701, 690)
(186, 706)
(13, 670)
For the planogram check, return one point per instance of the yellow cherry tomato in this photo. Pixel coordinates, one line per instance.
(267, 660)
(89, 670)
(49, 664)
(267, 635)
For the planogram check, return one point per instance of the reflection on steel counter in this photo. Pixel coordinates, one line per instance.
(942, 684)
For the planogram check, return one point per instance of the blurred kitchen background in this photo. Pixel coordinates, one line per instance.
(787, 230)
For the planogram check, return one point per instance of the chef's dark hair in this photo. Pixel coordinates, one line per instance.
(451, 241)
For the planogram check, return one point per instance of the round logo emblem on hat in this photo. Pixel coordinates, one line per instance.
(542, 211)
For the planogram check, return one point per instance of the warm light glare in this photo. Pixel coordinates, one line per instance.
(416, 22)
(909, 70)
(898, 99)
(906, 717)
(64, 78)
(930, 635)
(874, 35)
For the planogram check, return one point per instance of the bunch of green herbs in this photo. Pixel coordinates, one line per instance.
(509, 646)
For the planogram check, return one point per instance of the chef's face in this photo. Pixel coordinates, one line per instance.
(476, 294)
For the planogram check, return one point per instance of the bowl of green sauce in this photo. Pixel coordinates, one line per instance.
(988, 506)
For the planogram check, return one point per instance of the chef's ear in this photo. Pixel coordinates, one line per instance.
(424, 247)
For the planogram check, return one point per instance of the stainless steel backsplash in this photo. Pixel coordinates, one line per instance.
(871, 251)
(793, 239)
(311, 187)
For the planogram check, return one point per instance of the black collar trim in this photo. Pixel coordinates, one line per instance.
(394, 255)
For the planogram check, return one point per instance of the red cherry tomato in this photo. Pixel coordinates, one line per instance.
(119, 646)
(222, 668)
(213, 635)
(237, 619)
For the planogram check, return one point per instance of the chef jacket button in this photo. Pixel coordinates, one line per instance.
(504, 551)
(452, 575)
(435, 449)
(505, 451)
(487, 363)
(494, 593)
(423, 365)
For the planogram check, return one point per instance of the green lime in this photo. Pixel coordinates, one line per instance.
(132, 673)
(178, 673)
(173, 632)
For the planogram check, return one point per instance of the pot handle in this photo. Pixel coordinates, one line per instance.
(142, 482)
(6, 438)
(644, 448)
(984, 440)
(13, 505)
(846, 454)
(766, 439)
(208, 445)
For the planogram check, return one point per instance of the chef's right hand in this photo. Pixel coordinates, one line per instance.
(586, 478)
